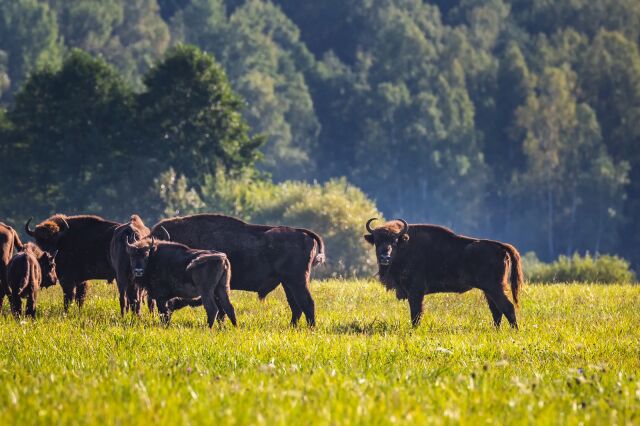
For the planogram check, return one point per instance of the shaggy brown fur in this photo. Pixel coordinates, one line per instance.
(130, 294)
(28, 271)
(432, 259)
(83, 247)
(175, 276)
(262, 256)
(9, 240)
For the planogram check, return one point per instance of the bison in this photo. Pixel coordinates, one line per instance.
(130, 295)
(83, 247)
(415, 260)
(9, 240)
(175, 275)
(262, 256)
(29, 270)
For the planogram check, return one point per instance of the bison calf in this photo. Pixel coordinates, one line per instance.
(175, 276)
(29, 270)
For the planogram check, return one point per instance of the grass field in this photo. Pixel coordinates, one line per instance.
(576, 359)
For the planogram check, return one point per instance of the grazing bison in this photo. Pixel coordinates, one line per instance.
(9, 240)
(262, 256)
(83, 247)
(130, 294)
(174, 275)
(415, 260)
(28, 271)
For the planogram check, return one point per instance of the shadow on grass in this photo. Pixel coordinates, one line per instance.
(368, 328)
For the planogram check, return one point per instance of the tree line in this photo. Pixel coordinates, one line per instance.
(509, 119)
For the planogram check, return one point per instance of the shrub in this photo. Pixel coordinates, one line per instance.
(603, 269)
(336, 210)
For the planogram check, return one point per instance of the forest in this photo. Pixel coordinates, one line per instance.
(506, 119)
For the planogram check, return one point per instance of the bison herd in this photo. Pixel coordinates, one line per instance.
(196, 260)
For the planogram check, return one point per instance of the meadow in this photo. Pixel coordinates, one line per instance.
(575, 360)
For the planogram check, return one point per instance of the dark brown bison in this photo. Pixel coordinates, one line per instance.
(262, 256)
(130, 295)
(29, 270)
(415, 260)
(9, 240)
(83, 247)
(174, 275)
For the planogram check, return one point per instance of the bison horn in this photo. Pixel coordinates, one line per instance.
(55, 253)
(66, 224)
(129, 242)
(166, 233)
(405, 229)
(368, 225)
(153, 243)
(27, 230)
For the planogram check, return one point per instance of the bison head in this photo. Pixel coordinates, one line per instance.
(48, 266)
(48, 233)
(139, 254)
(387, 239)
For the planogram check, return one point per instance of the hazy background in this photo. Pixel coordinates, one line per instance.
(513, 120)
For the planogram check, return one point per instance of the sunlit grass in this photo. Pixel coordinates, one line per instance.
(575, 359)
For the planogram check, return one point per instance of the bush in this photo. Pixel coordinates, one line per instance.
(336, 210)
(603, 269)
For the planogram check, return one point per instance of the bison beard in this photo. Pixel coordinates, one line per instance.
(421, 259)
(262, 256)
(177, 276)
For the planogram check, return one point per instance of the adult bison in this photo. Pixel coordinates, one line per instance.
(82, 244)
(130, 295)
(415, 260)
(262, 257)
(9, 240)
(175, 275)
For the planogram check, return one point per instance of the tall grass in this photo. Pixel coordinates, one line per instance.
(575, 360)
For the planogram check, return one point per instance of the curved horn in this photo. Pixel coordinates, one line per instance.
(153, 243)
(406, 226)
(129, 242)
(55, 253)
(166, 232)
(66, 224)
(27, 230)
(368, 225)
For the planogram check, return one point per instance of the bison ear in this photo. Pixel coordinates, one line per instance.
(404, 238)
(369, 238)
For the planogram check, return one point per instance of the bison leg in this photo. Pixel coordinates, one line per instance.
(495, 311)
(81, 293)
(165, 312)
(415, 306)
(296, 311)
(68, 291)
(31, 304)
(222, 298)
(506, 307)
(16, 305)
(211, 308)
(151, 303)
(302, 295)
(133, 299)
(222, 314)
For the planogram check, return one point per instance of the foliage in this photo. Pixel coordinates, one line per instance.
(574, 360)
(191, 116)
(604, 269)
(335, 210)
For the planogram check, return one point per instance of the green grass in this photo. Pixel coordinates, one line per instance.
(576, 359)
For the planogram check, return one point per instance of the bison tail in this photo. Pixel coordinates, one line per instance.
(516, 275)
(320, 256)
(16, 241)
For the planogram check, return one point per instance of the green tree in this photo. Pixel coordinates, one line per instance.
(68, 141)
(191, 118)
(29, 38)
(567, 163)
